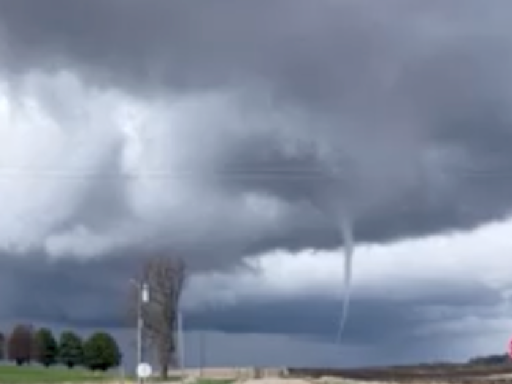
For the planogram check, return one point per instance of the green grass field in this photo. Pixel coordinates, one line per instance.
(40, 375)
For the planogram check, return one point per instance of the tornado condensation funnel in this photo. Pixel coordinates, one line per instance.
(348, 246)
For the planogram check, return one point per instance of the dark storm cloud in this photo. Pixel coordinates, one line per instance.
(66, 291)
(373, 320)
(424, 111)
(193, 44)
(95, 293)
(396, 110)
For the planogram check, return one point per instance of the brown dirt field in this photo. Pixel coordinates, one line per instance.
(452, 373)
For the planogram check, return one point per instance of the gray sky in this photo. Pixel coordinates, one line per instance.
(235, 134)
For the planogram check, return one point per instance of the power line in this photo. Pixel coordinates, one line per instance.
(290, 173)
(166, 175)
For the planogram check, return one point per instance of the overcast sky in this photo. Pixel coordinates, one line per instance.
(238, 135)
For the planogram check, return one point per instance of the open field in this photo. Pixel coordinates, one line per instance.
(435, 373)
(40, 375)
(432, 374)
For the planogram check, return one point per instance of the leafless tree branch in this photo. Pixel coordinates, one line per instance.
(165, 277)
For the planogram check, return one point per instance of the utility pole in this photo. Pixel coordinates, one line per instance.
(178, 331)
(202, 352)
(180, 339)
(142, 298)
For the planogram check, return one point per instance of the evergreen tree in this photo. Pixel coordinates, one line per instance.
(46, 347)
(101, 352)
(70, 348)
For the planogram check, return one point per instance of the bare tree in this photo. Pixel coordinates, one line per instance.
(165, 277)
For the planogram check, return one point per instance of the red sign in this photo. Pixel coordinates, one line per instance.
(510, 348)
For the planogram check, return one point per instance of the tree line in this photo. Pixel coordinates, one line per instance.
(164, 277)
(26, 344)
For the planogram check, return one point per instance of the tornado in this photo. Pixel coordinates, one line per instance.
(348, 247)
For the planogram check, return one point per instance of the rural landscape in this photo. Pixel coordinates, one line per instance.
(256, 191)
(30, 355)
(35, 356)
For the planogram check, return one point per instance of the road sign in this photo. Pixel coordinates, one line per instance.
(143, 370)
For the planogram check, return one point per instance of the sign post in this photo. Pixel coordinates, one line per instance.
(143, 371)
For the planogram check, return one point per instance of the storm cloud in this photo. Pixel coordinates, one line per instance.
(223, 132)
(265, 115)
